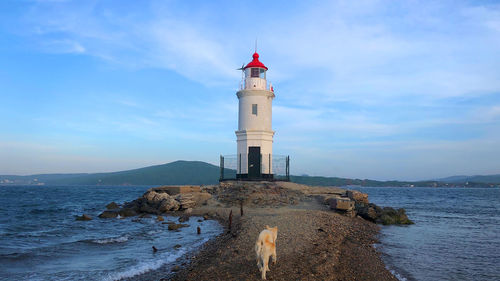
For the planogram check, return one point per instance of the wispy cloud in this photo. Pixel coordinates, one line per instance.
(352, 78)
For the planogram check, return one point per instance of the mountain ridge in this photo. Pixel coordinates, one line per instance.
(182, 172)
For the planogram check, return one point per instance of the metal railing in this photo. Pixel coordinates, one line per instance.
(272, 167)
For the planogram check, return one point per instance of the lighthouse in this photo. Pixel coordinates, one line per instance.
(254, 136)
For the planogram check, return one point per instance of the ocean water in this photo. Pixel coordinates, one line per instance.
(456, 235)
(41, 240)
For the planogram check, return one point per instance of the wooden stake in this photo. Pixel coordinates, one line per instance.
(230, 219)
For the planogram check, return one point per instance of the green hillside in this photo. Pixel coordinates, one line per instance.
(178, 172)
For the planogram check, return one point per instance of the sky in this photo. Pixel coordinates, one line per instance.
(405, 90)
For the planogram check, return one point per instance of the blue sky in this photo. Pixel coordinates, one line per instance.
(364, 89)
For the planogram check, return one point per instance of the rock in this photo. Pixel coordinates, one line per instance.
(177, 246)
(149, 195)
(146, 216)
(174, 190)
(176, 226)
(341, 204)
(168, 204)
(146, 208)
(357, 196)
(183, 218)
(83, 217)
(391, 216)
(108, 214)
(127, 212)
(206, 216)
(159, 218)
(176, 268)
(185, 200)
(369, 211)
(112, 206)
(328, 198)
(188, 210)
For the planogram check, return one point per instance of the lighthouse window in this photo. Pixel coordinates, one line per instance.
(254, 109)
(255, 72)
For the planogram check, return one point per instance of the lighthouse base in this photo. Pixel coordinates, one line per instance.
(230, 167)
(255, 178)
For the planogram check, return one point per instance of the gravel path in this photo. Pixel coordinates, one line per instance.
(313, 244)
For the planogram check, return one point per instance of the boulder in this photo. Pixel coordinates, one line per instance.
(341, 204)
(126, 212)
(183, 218)
(357, 196)
(176, 226)
(159, 218)
(112, 206)
(368, 211)
(326, 199)
(391, 216)
(149, 195)
(146, 208)
(186, 201)
(83, 217)
(108, 214)
(169, 204)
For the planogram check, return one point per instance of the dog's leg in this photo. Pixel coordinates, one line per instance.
(275, 257)
(265, 265)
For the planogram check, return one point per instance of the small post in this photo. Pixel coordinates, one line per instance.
(241, 207)
(288, 168)
(198, 230)
(269, 168)
(221, 167)
(261, 172)
(230, 220)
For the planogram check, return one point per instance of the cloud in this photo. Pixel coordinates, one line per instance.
(346, 73)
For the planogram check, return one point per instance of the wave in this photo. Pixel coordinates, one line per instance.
(397, 275)
(120, 239)
(144, 267)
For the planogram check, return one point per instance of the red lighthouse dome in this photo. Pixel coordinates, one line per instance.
(255, 62)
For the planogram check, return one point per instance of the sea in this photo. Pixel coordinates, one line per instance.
(41, 240)
(456, 235)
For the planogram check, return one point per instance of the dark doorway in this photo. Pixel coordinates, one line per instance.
(254, 162)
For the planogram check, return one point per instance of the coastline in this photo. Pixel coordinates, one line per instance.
(314, 243)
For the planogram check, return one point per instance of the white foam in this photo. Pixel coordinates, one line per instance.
(397, 275)
(120, 239)
(144, 267)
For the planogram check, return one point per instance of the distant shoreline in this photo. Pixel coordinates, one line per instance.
(201, 173)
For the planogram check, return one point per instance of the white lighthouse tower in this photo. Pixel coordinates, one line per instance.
(255, 134)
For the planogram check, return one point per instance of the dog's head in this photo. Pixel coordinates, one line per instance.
(274, 230)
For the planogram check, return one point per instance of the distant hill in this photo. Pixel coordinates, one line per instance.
(178, 172)
(494, 179)
(197, 173)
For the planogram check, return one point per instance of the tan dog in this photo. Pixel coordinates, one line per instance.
(265, 247)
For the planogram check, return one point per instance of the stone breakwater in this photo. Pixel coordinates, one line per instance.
(182, 200)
